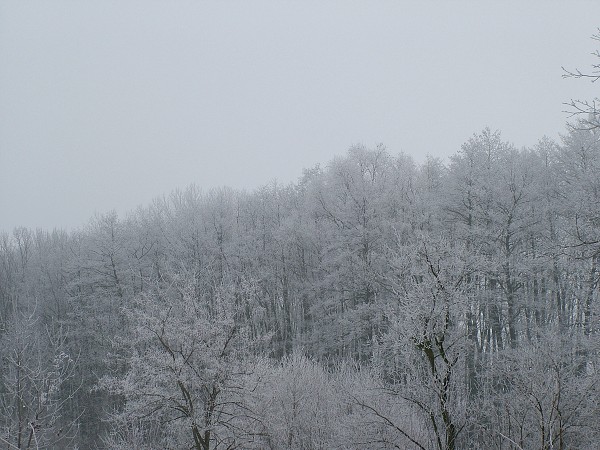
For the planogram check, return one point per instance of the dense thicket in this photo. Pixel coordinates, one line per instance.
(376, 303)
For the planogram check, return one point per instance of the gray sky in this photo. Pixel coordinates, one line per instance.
(108, 104)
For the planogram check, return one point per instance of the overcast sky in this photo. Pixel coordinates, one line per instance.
(109, 104)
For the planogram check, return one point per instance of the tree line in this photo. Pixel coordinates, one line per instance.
(374, 303)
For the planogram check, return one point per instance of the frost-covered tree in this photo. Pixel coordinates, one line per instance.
(35, 389)
(421, 357)
(542, 396)
(187, 365)
(299, 405)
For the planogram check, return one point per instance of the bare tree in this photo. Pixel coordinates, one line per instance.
(587, 111)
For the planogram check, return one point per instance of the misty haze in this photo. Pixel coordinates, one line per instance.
(301, 226)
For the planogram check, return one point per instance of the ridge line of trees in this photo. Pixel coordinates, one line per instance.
(375, 303)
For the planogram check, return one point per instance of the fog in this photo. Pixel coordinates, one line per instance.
(106, 105)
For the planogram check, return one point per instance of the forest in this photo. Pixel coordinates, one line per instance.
(376, 303)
